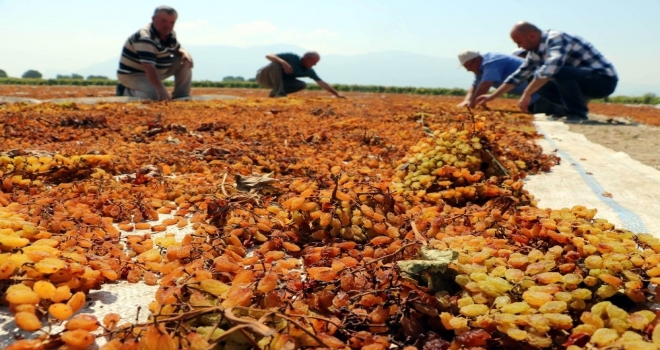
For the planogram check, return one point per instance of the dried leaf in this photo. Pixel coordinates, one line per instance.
(431, 269)
(248, 183)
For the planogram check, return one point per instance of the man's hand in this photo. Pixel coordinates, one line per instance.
(162, 94)
(481, 100)
(152, 75)
(523, 103)
(286, 67)
(186, 58)
(325, 86)
(465, 103)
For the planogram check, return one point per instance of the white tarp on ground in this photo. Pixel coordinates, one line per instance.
(625, 191)
(122, 298)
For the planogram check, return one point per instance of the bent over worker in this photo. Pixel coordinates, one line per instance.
(152, 55)
(579, 70)
(281, 74)
(490, 70)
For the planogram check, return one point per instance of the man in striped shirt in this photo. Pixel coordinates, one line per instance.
(579, 70)
(152, 55)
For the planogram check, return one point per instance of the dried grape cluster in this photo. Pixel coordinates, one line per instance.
(313, 223)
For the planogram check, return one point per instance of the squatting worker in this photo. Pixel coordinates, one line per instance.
(579, 70)
(280, 75)
(490, 70)
(152, 55)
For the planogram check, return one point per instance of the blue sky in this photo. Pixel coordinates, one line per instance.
(50, 35)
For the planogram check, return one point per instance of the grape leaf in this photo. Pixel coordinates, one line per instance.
(248, 183)
(431, 270)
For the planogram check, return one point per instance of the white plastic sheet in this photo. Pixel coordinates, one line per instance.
(625, 191)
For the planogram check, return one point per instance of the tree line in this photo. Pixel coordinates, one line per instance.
(35, 74)
(33, 77)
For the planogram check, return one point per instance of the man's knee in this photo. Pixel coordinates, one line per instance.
(294, 85)
(181, 67)
(262, 78)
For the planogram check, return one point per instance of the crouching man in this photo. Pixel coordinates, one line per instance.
(280, 75)
(152, 55)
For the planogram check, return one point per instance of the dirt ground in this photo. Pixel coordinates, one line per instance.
(641, 142)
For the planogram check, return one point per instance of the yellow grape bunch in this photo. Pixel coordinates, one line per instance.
(572, 264)
(447, 167)
(23, 171)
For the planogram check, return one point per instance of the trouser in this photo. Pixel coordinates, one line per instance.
(545, 106)
(578, 85)
(272, 77)
(549, 101)
(137, 84)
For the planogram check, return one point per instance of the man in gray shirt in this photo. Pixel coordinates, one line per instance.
(280, 75)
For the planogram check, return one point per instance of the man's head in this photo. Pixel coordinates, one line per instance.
(163, 20)
(526, 35)
(310, 59)
(471, 60)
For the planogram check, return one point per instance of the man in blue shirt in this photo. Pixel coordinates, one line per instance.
(490, 70)
(280, 75)
(578, 69)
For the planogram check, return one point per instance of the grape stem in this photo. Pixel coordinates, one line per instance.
(418, 235)
(381, 258)
(222, 185)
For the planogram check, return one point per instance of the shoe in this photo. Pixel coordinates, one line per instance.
(120, 90)
(545, 106)
(182, 98)
(274, 93)
(583, 122)
(578, 119)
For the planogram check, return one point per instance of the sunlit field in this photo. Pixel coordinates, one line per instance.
(373, 222)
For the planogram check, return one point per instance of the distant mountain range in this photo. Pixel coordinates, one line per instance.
(389, 68)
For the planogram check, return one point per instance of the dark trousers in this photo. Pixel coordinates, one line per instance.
(292, 85)
(272, 76)
(573, 88)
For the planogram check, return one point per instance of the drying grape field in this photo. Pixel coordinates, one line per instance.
(376, 222)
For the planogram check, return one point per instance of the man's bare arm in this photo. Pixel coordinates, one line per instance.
(325, 86)
(481, 89)
(503, 89)
(468, 98)
(185, 56)
(533, 87)
(285, 65)
(154, 80)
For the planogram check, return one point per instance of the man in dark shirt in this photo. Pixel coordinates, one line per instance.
(280, 75)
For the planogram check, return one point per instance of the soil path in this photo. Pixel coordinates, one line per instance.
(640, 142)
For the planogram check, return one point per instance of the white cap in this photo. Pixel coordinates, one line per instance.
(467, 55)
(518, 52)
